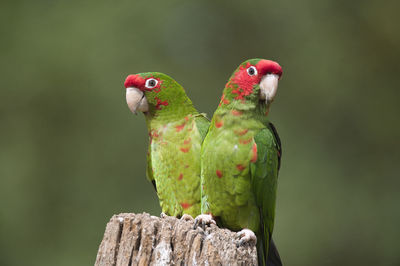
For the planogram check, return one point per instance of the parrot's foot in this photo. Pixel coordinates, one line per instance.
(203, 220)
(163, 215)
(246, 236)
(187, 217)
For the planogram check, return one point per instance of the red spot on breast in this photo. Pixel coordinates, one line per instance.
(180, 176)
(219, 124)
(186, 118)
(236, 113)
(240, 167)
(187, 166)
(242, 132)
(159, 103)
(184, 149)
(180, 127)
(154, 134)
(187, 141)
(254, 156)
(185, 205)
(223, 100)
(245, 141)
(219, 173)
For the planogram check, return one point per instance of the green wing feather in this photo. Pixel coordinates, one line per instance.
(202, 124)
(264, 174)
(277, 142)
(149, 170)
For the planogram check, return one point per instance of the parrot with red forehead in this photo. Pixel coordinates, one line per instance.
(240, 158)
(176, 132)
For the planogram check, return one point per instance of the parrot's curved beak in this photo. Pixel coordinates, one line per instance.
(136, 100)
(268, 87)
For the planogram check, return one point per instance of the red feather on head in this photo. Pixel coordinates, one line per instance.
(134, 81)
(269, 67)
(139, 82)
(242, 84)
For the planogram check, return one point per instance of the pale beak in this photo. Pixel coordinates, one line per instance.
(268, 87)
(136, 100)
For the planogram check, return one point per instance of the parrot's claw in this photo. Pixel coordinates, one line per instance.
(202, 220)
(163, 215)
(187, 217)
(246, 236)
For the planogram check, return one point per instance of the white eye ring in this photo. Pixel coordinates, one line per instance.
(151, 83)
(252, 71)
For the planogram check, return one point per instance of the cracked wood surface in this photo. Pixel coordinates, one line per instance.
(141, 239)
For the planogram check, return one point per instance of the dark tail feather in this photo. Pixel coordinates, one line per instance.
(273, 258)
(260, 253)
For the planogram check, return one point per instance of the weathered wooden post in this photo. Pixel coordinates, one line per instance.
(141, 239)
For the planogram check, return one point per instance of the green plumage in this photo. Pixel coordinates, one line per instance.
(176, 132)
(240, 162)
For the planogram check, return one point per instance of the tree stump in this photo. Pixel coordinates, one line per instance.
(141, 239)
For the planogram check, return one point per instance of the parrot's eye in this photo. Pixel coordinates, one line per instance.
(151, 83)
(252, 71)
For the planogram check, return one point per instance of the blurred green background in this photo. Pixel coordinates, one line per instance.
(72, 154)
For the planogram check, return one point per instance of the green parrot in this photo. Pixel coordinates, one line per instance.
(176, 132)
(240, 158)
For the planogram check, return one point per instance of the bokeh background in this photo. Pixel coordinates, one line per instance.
(72, 154)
